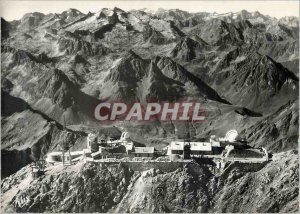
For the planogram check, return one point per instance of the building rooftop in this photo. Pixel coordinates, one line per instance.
(176, 145)
(129, 146)
(200, 146)
(195, 146)
(141, 150)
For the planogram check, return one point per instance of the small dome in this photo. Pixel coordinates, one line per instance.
(125, 136)
(231, 135)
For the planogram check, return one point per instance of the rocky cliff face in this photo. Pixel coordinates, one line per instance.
(269, 187)
(260, 189)
(81, 188)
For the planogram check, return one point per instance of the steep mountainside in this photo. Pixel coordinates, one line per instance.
(47, 89)
(254, 80)
(278, 130)
(136, 78)
(260, 188)
(40, 134)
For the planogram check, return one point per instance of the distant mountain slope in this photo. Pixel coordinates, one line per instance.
(255, 81)
(48, 90)
(159, 79)
(278, 131)
(218, 32)
(175, 71)
(188, 49)
(28, 134)
(135, 78)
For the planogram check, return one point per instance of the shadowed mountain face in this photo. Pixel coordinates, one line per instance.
(175, 71)
(278, 131)
(134, 78)
(188, 49)
(242, 67)
(47, 89)
(255, 81)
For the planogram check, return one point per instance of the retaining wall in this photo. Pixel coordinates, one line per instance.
(146, 165)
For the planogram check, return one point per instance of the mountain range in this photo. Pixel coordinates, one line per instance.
(242, 67)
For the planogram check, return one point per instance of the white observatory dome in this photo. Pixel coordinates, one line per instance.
(125, 136)
(231, 135)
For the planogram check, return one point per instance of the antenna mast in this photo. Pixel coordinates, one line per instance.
(68, 145)
(63, 145)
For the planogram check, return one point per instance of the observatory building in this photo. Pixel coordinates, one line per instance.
(214, 146)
